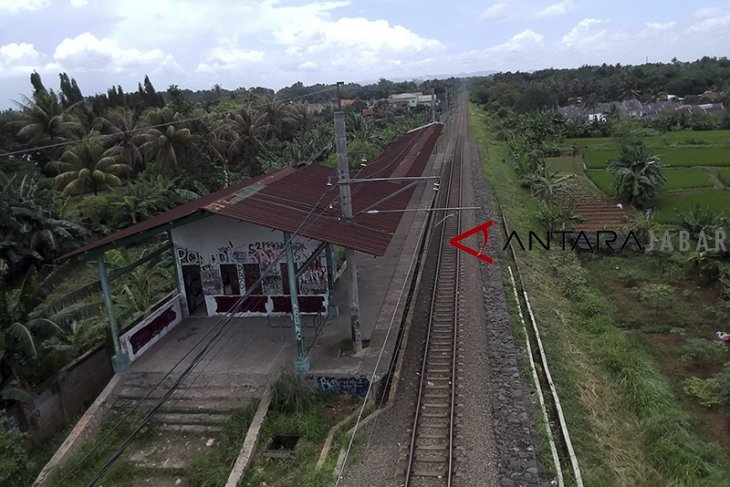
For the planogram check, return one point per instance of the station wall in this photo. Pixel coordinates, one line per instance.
(230, 255)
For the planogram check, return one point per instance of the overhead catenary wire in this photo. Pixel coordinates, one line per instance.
(218, 332)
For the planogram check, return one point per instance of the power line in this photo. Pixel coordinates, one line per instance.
(218, 332)
(219, 328)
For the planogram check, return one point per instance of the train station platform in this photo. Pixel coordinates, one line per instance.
(253, 349)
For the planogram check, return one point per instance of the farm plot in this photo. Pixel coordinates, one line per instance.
(716, 200)
(677, 179)
(671, 156)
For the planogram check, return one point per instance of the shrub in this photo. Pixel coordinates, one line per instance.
(723, 378)
(14, 462)
(291, 393)
(707, 391)
(592, 305)
(701, 351)
(659, 296)
(630, 277)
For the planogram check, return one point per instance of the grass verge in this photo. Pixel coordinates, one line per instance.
(627, 425)
(312, 422)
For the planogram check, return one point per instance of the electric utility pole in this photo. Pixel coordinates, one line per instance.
(343, 177)
(433, 106)
(339, 100)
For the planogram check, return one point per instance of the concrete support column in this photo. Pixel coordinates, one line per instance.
(302, 361)
(331, 270)
(178, 278)
(120, 360)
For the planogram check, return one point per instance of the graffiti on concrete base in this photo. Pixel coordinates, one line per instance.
(355, 386)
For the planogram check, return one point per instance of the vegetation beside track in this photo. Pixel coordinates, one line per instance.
(627, 423)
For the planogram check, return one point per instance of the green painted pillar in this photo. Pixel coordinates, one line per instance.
(302, 361)
(331, 307)
(120, 360)
(176, 266)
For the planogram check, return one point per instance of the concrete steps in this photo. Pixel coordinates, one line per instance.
(197, 407)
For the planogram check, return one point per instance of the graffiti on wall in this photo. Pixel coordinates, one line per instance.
(211, 278)
(355, 386)
(312, 281)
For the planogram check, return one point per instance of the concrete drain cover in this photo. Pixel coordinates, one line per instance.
(282, 445)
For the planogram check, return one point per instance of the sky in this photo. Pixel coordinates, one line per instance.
(196, 44)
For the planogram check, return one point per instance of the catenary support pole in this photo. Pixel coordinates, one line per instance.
(331, 306)
(120, 360)
(301, 363)
(433, 105)
(343, 176)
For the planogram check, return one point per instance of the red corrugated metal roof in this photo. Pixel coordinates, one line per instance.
(299, 200)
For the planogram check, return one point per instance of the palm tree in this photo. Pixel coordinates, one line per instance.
(637, 175)
(88, 167)
(277, 117)
(44, 121)
(166, 147)
(239, 137)
(126, 132)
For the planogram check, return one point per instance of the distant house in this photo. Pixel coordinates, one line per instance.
(596, 117)
(314, 108)
(404, 99)
(368, 112)
(346, 102)
(410, 100)
(635, 108)
(426, 100)
(711, 97)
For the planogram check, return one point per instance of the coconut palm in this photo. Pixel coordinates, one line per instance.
(637, 175)
(239, 137)
(87, 166)
(122, 128)
(44, 121)
(167, 147)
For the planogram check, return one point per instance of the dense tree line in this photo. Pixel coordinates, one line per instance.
(549, 88)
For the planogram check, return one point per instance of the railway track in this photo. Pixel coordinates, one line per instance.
(431, 455)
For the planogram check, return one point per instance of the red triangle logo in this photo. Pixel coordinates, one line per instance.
(484, 228)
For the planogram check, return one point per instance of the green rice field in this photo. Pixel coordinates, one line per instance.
(697, 167)
(670, 156)
(724, 176)
(717, 200)
(685, 138)
(604, 181)
(677, 179)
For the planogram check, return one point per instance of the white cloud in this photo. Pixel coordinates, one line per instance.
(711, 19)
(228, 58)
(87, 53)
(308, 66)
(527, 39)
(587, 33)
(14, 6)
(661, 26)
(556, 9)
(357, 36)
(18, 59)
(79, 3)
(498, 11)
